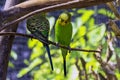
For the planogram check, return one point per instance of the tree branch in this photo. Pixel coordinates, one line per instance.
(35, 12)
(47, 42)
(32, 5)
(31, 13)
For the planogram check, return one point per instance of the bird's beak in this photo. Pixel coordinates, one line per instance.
(63, 24)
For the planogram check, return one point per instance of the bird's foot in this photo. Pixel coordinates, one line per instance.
(58, 45)
(69, 49)
(31, 39)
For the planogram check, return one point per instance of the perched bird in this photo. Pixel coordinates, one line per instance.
(63, 34)
(39, 26)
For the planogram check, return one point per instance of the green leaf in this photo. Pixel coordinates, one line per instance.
(91, 23)
(92, 63)
(86, 16)
(10, 64)
(32, 43)
(117, 74)
(26, 62)
(37, 52)
(79, 11)
(23, 72)
(82, 42)
(79, 21)
(96, 34)
(82, 31)
(13, 55)
(106, 13)
(33, 64)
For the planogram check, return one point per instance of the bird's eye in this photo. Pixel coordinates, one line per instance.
(66, 22)
(62, 20)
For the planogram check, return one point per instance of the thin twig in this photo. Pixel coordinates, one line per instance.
(84, 67)
(48, 42)
(78, 67)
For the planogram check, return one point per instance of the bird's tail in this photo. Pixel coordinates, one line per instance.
(64, 53)
(48, 51)
(64, 65)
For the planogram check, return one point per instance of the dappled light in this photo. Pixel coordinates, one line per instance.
(93, 50)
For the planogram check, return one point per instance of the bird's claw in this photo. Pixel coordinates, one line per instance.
(57, 44)
(69, 49)
(31, 39)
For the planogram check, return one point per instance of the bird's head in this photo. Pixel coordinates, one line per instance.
(64, 18)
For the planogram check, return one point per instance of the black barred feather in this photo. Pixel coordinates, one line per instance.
(39, 26)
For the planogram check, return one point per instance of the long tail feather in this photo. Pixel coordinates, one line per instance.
(64, 65)
(48, 51)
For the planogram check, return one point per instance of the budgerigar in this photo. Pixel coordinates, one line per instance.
(39, 26)
(63, 34)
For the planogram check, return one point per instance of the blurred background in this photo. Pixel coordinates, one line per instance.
(29, 60)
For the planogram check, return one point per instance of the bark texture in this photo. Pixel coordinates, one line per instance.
(6, 44)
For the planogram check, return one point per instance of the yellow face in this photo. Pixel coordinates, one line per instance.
(64, 19)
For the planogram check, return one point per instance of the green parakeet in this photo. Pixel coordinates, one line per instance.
(63, 34)
(39, 26)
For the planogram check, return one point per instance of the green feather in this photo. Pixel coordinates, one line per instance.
(63, 33)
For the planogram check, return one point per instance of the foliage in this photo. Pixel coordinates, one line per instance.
(86, 35)
(13, 56)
